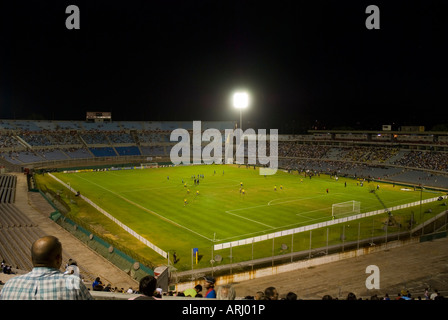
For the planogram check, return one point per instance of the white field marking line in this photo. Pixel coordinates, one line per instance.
(148, 210)
(303, 214)
(241, 217)
(260, 206)
(297, 199)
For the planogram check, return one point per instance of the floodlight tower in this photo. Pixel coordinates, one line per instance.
(241, 101)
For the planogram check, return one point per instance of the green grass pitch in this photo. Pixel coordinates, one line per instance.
(152, 202)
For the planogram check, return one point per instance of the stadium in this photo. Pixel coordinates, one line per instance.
(113, 186)
(288, 152)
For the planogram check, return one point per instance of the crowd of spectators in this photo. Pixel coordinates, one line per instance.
(6, 268)
(8, 141)
(424, 160)
(228, 292)
(63, 139)
(152, 136)
(354, 153)
(94, 137)
(369, 154)
(338, 168)
(297, 150)
(35, 139)
(120, 137)
(355, 156)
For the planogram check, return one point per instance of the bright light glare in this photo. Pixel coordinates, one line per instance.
(240, 100)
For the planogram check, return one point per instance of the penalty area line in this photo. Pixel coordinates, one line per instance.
(255, 221)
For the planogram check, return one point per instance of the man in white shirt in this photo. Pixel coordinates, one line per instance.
(72, 268)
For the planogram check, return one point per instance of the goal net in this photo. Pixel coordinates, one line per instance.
(345, 208)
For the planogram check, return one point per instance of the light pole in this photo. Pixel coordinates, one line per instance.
(241, 101)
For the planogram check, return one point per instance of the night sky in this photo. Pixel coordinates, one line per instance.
(305, 64)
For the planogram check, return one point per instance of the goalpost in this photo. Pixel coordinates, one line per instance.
(345, 208)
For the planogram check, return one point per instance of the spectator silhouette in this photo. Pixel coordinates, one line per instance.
(291, 296)
(271, 293)
(147, 287)
(351, 296)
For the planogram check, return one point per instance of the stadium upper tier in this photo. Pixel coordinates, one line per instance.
(27, 142)
(55, 125)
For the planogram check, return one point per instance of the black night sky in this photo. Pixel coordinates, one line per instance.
(304, 63)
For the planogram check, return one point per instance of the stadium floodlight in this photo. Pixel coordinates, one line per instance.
(241, 101)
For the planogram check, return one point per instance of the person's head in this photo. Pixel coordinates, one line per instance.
(73, 263)
(226, 292)
(198, 288)
(291, 296)
(148, 285)
(271, 293)
(351, 296)
(209, 282)
(259, 295)
(47, 252)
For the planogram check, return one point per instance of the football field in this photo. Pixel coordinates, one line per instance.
(166, 207)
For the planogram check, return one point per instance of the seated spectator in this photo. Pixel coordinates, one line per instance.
(351, 296)
(291, 296)
(72, 268)
(210, 287)
(158, 293)
(97, 285)
(45, 281)
(260, 296)
(434, 294)
(439, 297)
(193, 292)
(271, 293)
(147, 287)
(226, 292)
